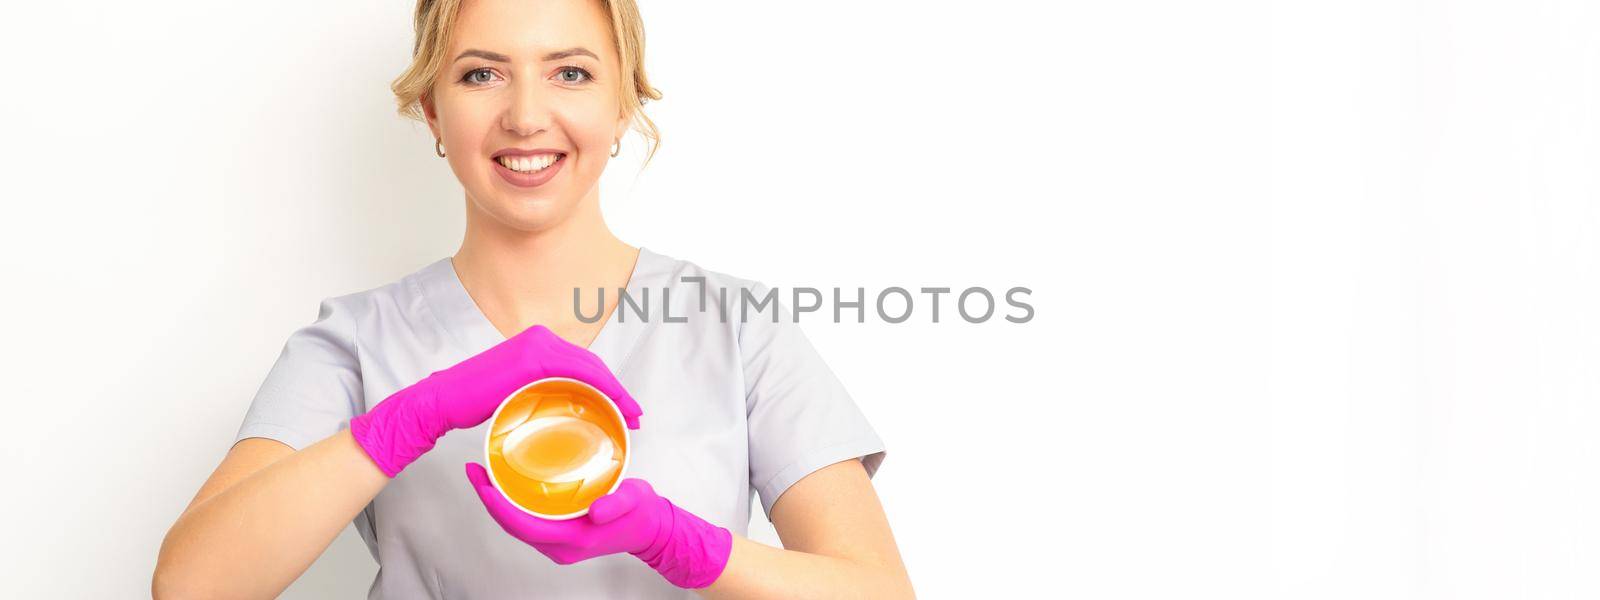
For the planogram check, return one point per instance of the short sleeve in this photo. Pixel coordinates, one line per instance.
(314, 388)
(800, 417)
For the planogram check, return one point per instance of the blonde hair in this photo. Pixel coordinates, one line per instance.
(435, 21)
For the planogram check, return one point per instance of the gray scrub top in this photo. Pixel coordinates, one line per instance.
(732, 407)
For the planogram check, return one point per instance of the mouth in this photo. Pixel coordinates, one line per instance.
(532, 163)
(528, 169)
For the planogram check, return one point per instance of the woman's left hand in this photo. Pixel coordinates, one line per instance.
(685, 549)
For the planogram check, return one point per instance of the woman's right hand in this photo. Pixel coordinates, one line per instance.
(405, 425)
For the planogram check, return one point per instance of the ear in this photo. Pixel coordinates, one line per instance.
(430, 113)
(621, 128)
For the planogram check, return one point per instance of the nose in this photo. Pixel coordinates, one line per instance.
(527, 114)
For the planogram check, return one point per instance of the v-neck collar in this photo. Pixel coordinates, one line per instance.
(461, 319)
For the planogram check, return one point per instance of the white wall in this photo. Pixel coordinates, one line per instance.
(1315, 282)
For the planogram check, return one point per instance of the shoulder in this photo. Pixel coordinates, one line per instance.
(680, 273)
(720, 289)
(752, 312)
(398, 298)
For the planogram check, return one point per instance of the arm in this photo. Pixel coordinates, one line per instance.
(267, 512)
(264, 515)
(832, 516)
(838, 543)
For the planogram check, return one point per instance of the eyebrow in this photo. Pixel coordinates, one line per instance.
(557, 55)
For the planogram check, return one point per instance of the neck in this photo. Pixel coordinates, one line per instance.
(524, 277)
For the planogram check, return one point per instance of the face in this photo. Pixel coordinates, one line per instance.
(526, 107)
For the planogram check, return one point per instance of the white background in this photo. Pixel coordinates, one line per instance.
(1316, 282)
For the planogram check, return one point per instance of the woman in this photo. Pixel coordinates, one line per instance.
(372, 413)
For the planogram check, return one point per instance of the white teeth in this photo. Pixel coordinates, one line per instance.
(527, 164)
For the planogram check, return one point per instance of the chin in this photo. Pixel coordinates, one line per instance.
(529, 214)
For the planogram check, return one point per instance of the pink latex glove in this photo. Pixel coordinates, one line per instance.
(689, 552)
(407, 423)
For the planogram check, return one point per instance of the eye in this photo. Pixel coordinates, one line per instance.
(473, 76)
(565, 72)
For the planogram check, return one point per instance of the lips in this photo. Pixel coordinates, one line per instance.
(528, 168)
(525, 152)
(527, 164)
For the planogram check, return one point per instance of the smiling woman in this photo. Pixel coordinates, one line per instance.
(528, 100)
(484, 75)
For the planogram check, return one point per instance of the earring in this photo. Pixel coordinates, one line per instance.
(437, 149)
(618, 148)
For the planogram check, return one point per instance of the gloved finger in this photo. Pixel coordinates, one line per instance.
(636, 487)
(594, 372)
(609, 507)
(523, 526)
(625, 404)
(589, 357)
(536, 332)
